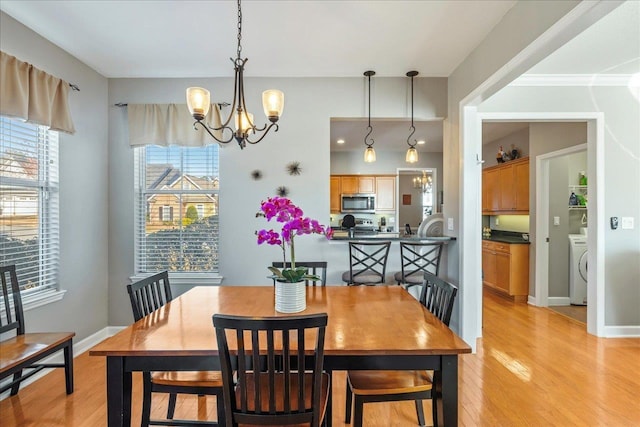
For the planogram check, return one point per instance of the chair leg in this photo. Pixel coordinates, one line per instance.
(358, 412)
(68, 368)
(220, 408)
(434, 409)
(16, 386)
(171, 409)
(146, 399)
(420, 412)
(348, 405)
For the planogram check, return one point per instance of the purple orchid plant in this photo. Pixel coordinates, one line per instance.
(294, 224)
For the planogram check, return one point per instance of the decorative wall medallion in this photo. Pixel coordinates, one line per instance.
(282, 191)
(294, 168)
(256, 175)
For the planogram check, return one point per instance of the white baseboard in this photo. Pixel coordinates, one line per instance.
(531, 300)
(622, 331)
(78, 348)
(559, 301)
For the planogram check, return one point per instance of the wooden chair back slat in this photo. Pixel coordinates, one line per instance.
(438, 297)
(149, 294)
(12, 313)
(276, 380)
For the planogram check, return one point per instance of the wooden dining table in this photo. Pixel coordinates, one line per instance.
(369, 327)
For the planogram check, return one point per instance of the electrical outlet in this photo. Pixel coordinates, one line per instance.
(614, 222)
(497, 221)
(556, 220)
(450, 224)
(626, 223)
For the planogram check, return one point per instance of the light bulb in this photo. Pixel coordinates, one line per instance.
(369, 155)
(198, 101)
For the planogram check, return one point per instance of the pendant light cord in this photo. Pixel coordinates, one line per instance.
(412, 74)
(369, 128)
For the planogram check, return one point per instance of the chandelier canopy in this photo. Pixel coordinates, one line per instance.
(199, 103)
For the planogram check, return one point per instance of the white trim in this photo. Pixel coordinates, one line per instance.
(621, 332)
(186, 278)
(572, 80)
(531, 300)
(541, 285)
(38, 299)
(78, 348)
(554, 301)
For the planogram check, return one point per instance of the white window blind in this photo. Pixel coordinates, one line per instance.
(177, 209)
(29, 204)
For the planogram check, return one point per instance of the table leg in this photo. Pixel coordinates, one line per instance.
(446, 390)
(118, 393)
(328, 416)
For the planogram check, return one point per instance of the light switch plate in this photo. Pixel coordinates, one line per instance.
(556, 220)
(626, 222)
(450, 224)
(497, 221)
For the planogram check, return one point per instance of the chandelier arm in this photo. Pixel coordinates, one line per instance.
(242, 104)
(208, 129)
(264, 134)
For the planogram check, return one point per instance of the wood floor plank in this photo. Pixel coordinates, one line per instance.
(532, 367)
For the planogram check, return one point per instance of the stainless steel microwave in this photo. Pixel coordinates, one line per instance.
(358, 203)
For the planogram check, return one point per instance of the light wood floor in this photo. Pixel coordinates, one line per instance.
(532, 367)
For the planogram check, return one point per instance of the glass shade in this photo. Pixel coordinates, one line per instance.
(198, 101)
(412, 155)
(246, 122)
(369, 155)
(273, 103)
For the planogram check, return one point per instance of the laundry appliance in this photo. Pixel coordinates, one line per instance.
(578, 269)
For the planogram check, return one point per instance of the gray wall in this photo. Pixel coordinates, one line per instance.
(622, 173)
(83, 188)
(303, 136)
(520, 139)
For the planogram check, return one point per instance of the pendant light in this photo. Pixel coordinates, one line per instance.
(412, 153)
(199, 102)
(369, 152)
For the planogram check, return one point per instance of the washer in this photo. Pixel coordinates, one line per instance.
(578, 269)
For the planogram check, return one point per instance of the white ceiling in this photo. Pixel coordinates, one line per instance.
(314, 38)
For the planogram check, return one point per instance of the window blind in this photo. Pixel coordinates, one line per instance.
(177, 209)
(29, 203)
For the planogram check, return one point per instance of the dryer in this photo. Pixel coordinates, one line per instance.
(578, 269)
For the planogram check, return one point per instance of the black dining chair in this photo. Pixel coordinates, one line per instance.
(418, 258)
(367, 263)
(277, 393)
(438, 297)
(147, 296)
(317, 268)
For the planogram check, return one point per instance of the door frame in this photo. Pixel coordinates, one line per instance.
(541, 289)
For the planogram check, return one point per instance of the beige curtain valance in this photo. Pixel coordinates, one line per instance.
(168, 124)
(30, 94)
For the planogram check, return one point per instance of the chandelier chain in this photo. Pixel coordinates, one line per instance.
(239, 30)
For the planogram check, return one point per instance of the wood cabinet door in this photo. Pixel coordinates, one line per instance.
(507, 187)
(489, 268)
(349, 185)
(385, 193)
(492, 190)
(503, 271)
(521, 173)
(334, 194)
(367, 184)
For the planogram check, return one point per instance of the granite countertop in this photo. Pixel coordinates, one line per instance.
(394, 237)
(507, 237)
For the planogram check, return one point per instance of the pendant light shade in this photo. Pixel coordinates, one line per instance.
(412, 153)
(369, 152)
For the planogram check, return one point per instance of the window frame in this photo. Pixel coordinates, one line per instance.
(141, 209)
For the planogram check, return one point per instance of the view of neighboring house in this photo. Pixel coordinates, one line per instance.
(165, 208)
(18, 201)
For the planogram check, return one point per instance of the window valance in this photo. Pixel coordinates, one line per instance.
(168, 124)
(31, 94)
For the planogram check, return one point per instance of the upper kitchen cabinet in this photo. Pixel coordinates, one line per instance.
(358, 185)
(505, 188)
(335, 191)
(385, 193)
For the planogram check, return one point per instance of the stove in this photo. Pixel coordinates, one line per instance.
(365, 226)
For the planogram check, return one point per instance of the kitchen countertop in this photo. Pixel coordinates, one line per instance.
(507, 237)
(394, 237)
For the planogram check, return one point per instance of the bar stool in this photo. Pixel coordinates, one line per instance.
(367, 263)
(418, 258)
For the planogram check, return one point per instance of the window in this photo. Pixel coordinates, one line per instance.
(29, 208)
(177, 209)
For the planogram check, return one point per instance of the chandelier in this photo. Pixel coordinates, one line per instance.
(369, 152)
(412, 153)
(199, 102)
(423, 182)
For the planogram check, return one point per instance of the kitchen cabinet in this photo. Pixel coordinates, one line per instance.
(505, 269)
(383, 186)
(334, 192)
(505, 188)
(385, 193)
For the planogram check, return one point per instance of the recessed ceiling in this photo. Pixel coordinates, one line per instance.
(388, 134)
(318, 38)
